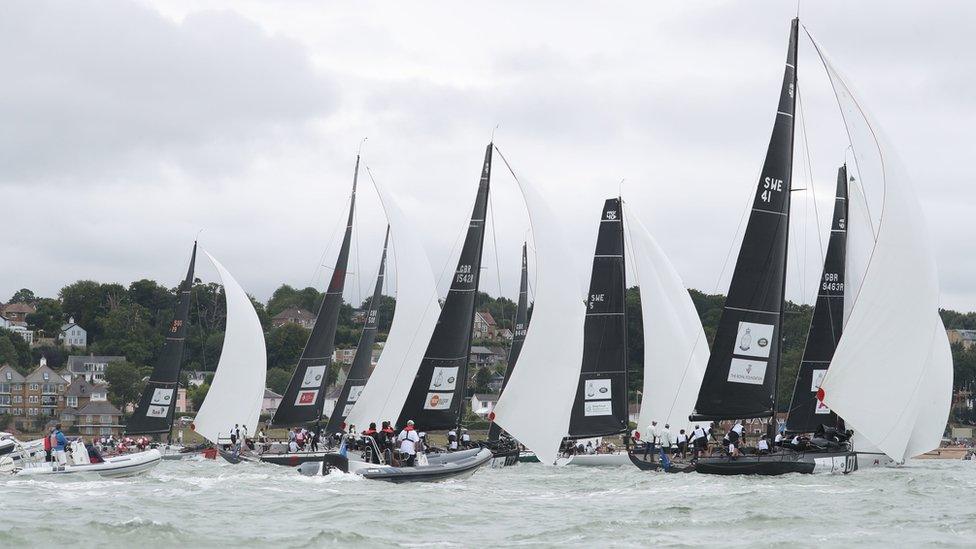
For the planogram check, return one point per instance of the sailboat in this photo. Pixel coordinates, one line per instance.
(433, 399)
(154, 413)
(807, 414)
(893, 390)
(600, 404)
(304, 399)
(237, 390)
(505, 450)
(359, 373)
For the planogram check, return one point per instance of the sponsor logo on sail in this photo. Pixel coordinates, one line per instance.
(753, 339)
(443, 379)
(751, 372)
(157, 411)
(313, 376)
(598, 408)
(306, 398)
(597, 389)
(438, 401)
(162, 396)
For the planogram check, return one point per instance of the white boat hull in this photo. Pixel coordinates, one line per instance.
(114, 467)
(616, 459)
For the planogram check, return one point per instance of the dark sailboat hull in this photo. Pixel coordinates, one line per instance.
(655, 465)
(292, 459)
(780, 463)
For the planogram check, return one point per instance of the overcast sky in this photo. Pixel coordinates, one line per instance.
(127, 127)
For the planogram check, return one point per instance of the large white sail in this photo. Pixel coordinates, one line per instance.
(413, 323)
(537, 401)
(675, 347)
(887, 375)
(237, 390)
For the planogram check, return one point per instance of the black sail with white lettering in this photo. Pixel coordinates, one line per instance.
(518, 334)
(303, 400)
(600, 407)
(436, 395)
(740, 380)
(154, 414)
(806, 412)
(360, 369)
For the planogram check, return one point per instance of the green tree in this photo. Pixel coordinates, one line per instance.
(125, 383)
(15, 351)
(481, 379)
(88, 301)
(286, 296)
(48, 317)
(23, 295)
(56, 356)
(385, 308)
(126, 331)
(197, 394)
(285, 345)
(159, 302)
(278, 379)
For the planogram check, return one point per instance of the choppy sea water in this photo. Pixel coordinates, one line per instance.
(208, 503)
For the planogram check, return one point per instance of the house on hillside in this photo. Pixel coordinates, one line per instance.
(73, 335)
(91, 367)
(482, 404)
(11, 391)
(99, 418)
(344, 356)
(17, 312)
(966, 338)
(331, 399)
(293, 315)
(44, 393)
(484, 326)
(482, 356)
(271, 402)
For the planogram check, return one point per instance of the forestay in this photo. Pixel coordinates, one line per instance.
(537, 401)
(891, 374)
(413, 323)
(237, 390)
(675, 346)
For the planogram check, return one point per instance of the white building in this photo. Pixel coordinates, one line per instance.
(73, 335)
(482, 404)
(91, 367)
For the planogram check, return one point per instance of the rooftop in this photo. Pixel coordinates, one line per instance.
(294, 312)
(99, 408)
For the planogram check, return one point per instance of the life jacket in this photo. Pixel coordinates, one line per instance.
(369, 432)
(48, 443)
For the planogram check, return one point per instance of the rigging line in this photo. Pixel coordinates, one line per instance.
(494, 238)
(813, 187)
(519, 183)
(321, 262)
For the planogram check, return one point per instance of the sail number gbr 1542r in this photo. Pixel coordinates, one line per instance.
(770, 184)
(464, 275)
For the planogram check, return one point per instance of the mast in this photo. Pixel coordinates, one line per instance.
(740, 379)
(154, 413)
(806, 412)
(518, 337)
(303, 400)
(436, 395)
(600, 405)
(360, 369)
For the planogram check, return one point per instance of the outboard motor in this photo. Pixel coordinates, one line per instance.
(328, 464)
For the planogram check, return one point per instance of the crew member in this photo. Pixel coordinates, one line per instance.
(682, 443)
(452, 440)
(409, 440)
(60, 443)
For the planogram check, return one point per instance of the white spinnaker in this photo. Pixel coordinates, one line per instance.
(414, 319)
(675, 347)
(880, 379)
(237, 390)
(538, 399)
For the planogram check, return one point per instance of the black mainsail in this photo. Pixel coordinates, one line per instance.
(154, 414)
(518, 335)
(435, 398)
(740, 379)
(359, 370)
(600, 407)
(807, 413)
(303, 400)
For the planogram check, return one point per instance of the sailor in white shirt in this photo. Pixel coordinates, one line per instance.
(763, 445)
(409, 440)
(665, 439)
